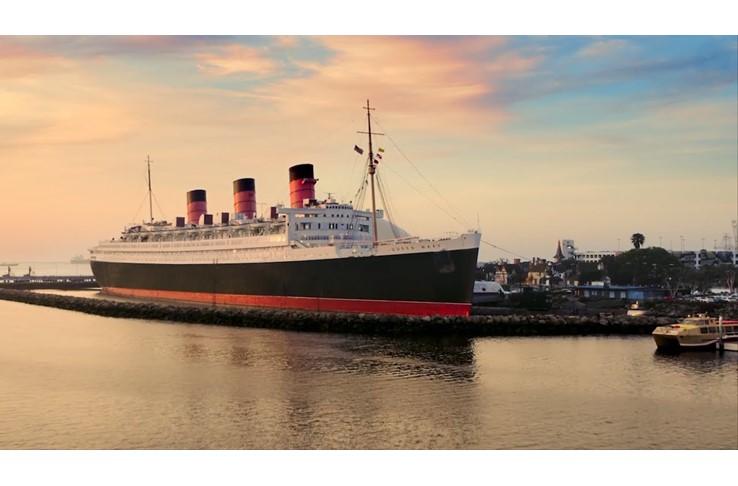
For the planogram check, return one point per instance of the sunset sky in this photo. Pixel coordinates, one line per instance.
(531, 139)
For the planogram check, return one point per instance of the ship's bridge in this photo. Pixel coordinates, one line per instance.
(331, 222)
(327, 223)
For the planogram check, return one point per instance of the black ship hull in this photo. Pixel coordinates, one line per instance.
(425, 283)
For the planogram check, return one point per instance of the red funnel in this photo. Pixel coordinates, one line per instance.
(302, 185)
(197, 205)
(244, 197)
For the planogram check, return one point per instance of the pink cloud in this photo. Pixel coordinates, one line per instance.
(18, 61)
(56, 100)
(287, 41)
(604, 48)
(235, 58)
(449, 79)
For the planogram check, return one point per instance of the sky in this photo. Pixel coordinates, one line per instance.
(528, 139)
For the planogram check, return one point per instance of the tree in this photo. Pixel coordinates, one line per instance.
(587, 272)
(675, 276)
(706, 277)
(488, 269)
(729, 276)
(637, 239)
(640, 267)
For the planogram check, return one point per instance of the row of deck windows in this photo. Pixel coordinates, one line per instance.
(309, 226)
(728, 330)
(202, 235)
(314, 215)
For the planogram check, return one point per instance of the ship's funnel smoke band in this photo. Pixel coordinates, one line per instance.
(244, 197)
(197, 205)
(302, 185)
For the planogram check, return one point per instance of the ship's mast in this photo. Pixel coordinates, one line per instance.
(372, 168)
(151, 207)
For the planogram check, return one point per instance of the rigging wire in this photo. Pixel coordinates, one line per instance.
(387, 210)
(361, 192)
(457, 217)
(443, 209)
(146, 195)
(358, 203)
(397, 215)
(135, 216)
(506, 251)
(161, 211)
(458, 213)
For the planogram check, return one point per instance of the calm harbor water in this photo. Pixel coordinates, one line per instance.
(76, 381)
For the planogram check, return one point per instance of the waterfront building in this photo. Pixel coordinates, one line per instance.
(565, 250)
(704, 258)
(628, 293)
(501, 276)
(595, 256)
(568, 249)
(538, 274)
(559, 255)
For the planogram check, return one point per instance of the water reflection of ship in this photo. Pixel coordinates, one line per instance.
(448, 359)
(695, 363)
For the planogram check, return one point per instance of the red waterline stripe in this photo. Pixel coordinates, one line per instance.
(305, 303)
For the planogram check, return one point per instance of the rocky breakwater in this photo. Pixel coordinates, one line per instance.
(388, 325)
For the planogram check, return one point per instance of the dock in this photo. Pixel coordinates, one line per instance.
(347, 323)
(730, 346)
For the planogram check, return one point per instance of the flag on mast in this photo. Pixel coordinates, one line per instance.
(359, 149)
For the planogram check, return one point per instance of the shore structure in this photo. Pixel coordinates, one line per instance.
(38, 282)
(319, 255)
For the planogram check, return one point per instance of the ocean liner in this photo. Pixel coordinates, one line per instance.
(314, 255)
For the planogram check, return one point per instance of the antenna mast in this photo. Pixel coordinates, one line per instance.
(372, 167)
(151, 208)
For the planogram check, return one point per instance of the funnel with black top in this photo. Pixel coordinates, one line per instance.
(302, 185)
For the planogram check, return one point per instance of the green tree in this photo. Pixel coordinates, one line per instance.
(729, 277)
(637, 239)
(488, 269)
(675, 276)
(588, 272)
(708, 276)
(647, 266)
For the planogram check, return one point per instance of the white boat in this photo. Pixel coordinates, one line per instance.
(486, 292)
(696, 333)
